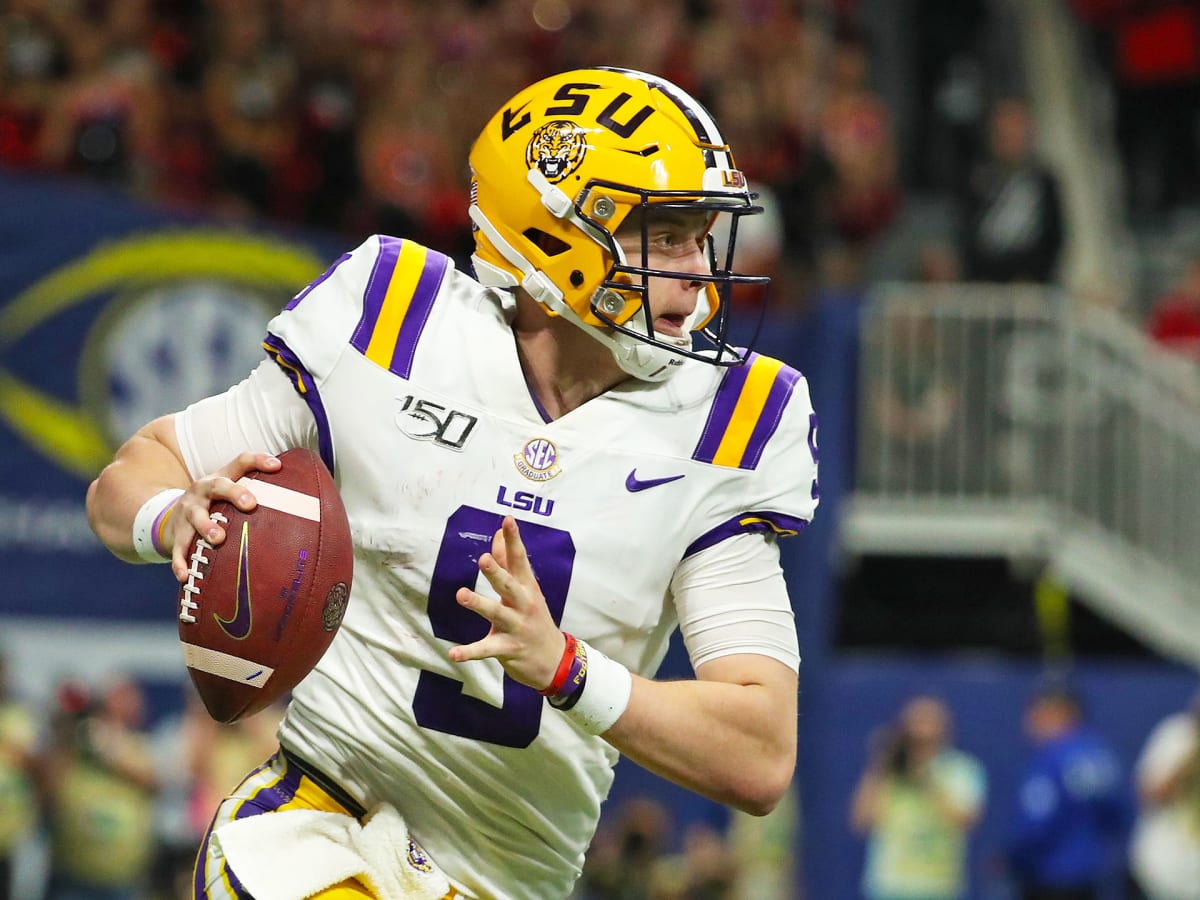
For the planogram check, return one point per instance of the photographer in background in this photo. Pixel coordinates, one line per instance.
(916, 803)
(99, 782)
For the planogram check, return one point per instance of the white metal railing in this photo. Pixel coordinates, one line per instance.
(984, 404)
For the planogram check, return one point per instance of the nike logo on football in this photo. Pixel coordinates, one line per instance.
(635, 484)
(239, 626)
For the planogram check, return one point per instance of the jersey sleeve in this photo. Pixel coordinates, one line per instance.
(262, 413)
(731, 598)
(761, 428)
(374, 301)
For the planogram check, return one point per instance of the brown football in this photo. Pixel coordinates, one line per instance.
(257, 612)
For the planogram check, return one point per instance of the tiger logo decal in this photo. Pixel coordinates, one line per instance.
(556, 148)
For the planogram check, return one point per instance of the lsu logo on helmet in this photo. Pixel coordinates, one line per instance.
(557, 149)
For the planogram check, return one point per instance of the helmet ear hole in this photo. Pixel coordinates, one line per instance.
(576, 278)
(547, 243)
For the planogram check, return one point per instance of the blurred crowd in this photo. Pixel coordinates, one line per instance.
(356, 115)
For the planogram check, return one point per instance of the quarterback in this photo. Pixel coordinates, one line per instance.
(548, 467)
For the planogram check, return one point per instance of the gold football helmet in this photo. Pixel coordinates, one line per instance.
(561, 166)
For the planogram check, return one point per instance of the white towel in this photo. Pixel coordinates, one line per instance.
(295, 853)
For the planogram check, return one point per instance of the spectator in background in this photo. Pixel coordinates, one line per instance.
(198, 761)
(629, 860)
(175, 838)
(1073, 809)
(765, 850)
(412, 184)
(624, 861)
(249, 92)
(785, 150)
(18, 806)
(916, 803)
(1165, 852)
(219, 755)
(707, 869)
(1014, 227)
(914, 439)
(937, 262)
(1152, 50)
(861, 196)
(1174, 321)
(949, 74)
(100, 782)
(105, 120)
(328, 111)
(33, 58)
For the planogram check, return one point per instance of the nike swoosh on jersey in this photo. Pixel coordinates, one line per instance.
(239, 626)
(635, 484)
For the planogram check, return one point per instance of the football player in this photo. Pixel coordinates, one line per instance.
(548, 468)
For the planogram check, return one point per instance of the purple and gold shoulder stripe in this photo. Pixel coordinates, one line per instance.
(400, 295)
(745, 412)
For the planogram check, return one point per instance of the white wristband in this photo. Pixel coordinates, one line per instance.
(147, 526)
(605, 694)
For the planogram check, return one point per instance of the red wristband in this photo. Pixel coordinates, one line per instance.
(564, 668)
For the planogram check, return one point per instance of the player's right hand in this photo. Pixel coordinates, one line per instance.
(523, 635)
(191, 516)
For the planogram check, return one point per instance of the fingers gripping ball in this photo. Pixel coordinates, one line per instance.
(257, 612)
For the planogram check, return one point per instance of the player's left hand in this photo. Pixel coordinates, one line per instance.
(523, 636)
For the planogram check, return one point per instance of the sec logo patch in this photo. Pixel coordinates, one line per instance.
(538, 460)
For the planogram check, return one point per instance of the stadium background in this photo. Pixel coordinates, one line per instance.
(141, 254)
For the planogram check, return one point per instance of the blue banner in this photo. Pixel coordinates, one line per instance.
(113, 313)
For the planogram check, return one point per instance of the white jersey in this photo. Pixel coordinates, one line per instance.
(411, 372)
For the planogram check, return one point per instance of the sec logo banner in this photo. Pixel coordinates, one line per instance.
(181, 315)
